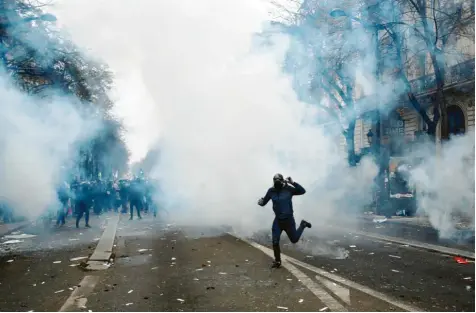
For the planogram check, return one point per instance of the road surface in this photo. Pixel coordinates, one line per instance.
(160, 267)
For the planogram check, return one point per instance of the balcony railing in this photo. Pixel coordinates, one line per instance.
(455, 74)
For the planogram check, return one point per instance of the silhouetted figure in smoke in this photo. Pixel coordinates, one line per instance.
(281, 194)
(63, 197)
(124, 194)
(83, 202)
(136, 194)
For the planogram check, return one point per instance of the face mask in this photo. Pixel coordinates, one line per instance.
(278, 184)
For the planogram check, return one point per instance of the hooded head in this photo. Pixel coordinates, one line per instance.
(278, 181)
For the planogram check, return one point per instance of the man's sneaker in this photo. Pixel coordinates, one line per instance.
(87, 225)
(305, 224)
(276, 264)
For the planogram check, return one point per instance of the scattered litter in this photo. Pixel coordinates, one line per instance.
(130, 303)
(70, 288)
(323, 309)
(395, 271)
(80, 234)
(195, 279)
(142, 250)
(405, 245)
(467, 278)
(379, 220)
(22, 236)
(352, 246)
(199, 269)
(59, 291)
(154, 268)
(394, 256)
(282, 307)
(460, 260)
(301, 300)
(78, 258)
(96, 239)
(468, 288)
(130, 291)
(246, 260)
(371, 253)
(73, 239)
(8, 242)
(173, 259)
(181, 300)
(309, 256)
(56, 262)
(9, 261)
(289, 279)
(34, 285)
(222, 273)
(42, 282)
(209, 261)
(335, 270)
(173, 263)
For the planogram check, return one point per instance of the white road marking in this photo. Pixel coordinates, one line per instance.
(87, 286)
(317, 290)
(342, 292)
(337, 279)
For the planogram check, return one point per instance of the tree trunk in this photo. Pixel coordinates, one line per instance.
(350, 144)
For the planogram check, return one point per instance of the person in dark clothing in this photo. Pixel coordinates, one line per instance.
(136, 194)
(124, 194)
(281, 194)
(83, 202)
(63, 197)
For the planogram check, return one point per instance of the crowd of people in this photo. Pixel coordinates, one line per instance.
(80, 197)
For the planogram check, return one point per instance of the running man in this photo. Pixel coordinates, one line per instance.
(281, 194)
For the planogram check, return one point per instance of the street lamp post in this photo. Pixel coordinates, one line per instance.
(376, 144)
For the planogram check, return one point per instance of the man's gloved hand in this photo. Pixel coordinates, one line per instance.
(260, 201)
(290, 180)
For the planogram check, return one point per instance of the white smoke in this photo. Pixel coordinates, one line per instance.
(37, 138)
(227, 117)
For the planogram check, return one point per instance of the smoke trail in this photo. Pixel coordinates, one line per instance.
(37, 138)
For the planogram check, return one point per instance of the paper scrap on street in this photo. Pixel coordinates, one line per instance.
(56, 262)
(323, 309)
(395, 271)
(181, 300)
(59, 291)
(9, 261)
(379, 220)
(130, 291)
(282, 307)
(301, 300)
(22, 236)
(394, 256)
(78, 258)
(9, 242)
(352, 246)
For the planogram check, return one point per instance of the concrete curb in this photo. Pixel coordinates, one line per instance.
(421, 245)
(103, 251)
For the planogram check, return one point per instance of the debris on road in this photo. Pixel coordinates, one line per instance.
(59, 291)
(468, 288)
(301, 300)
(9, 242)
(467, 278)
(22, 236)
(371, 253)
(78, 258)
(288, 279)
(379, 220)
(130, 303)
(154, 268)
(143, 250)
(323, 309)
(282, 307)
(352, 246)
(461, 260)
(396, 271)
(130, 291)
(181, 300)
(9, 261)
(173, 259)
(73, 239)
(222, 273)
(56, 262)
(195, 279)
(394, 256)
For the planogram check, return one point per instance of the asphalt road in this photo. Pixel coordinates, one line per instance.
(161, 267)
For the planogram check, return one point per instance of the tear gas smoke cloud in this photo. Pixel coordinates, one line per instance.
(446, 184)
(227, 117)
(192, 83)
(37, 138)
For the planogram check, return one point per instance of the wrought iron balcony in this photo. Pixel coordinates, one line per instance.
(458, 73)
